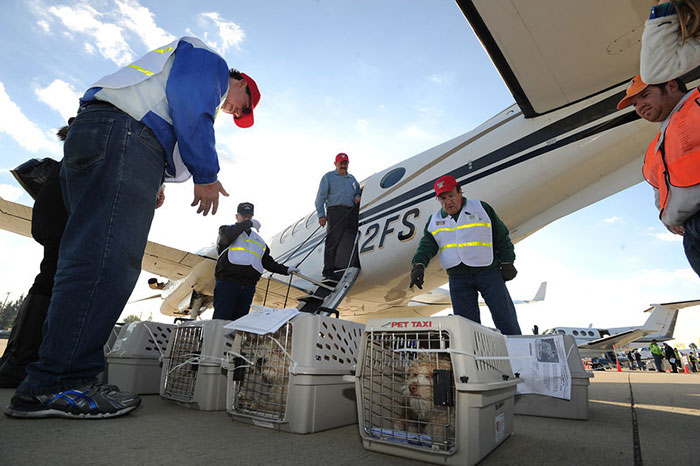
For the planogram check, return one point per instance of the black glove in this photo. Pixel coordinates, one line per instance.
(508, 271)
(417, 276)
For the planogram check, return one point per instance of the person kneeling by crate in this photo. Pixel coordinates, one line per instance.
(475, 249)
(242, 256)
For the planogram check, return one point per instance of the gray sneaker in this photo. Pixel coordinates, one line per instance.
(95, 401)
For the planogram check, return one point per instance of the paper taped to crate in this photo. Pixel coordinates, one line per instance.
(542, 365)
(262, 320)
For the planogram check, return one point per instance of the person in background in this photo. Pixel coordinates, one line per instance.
(671, 357)
(638, 358)
(630, 358)
(670, 45)
(474, 247)
(657, 354)
(336, 205)
(679, 359)
(692, 361)
(243, 255)
(40, 179)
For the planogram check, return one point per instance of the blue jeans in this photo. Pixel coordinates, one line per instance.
(232, 300)
(464, 291)
(691, 242)
(657, 362)
(112, 169)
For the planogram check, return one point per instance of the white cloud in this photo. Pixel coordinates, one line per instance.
(107, 37)
(613, 220)
(230, 33)
(10, 193)
(415, 133)
(20, 128)
(668, 236)
(362, 125)
(89, 48)
(140, 20)
(60, 96)
(44, 25)
(437, 79)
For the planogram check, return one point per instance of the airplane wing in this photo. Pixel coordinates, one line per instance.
(16, 218)
(158, 259)
(619, 339)
(552, 54)
(169, 262)
(675, 305)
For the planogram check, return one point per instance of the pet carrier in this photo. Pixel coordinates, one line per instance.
(113, 335)
(192, 373)
(133, 364)
(292, 379)
(436, 389)
(533, 404)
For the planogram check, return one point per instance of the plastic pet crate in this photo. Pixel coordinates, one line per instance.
(113, 335)
(292, 380)
(133, 364)
(437, 389)
(533, 404)
(191, 374)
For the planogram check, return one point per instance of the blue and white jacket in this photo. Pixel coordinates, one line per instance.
(176, 91)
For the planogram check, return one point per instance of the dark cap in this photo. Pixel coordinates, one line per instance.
(245, 208)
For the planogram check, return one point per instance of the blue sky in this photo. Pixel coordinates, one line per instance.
(379, 80)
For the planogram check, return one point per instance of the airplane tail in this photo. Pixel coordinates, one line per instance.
(539, 296)
(662, 321)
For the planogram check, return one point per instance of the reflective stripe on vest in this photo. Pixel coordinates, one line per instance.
(468, 241)
(673, 167)
(247, 250)
(150, 64)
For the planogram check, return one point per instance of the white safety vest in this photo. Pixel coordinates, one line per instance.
(247, 250)
(151, 73)
(468, 241)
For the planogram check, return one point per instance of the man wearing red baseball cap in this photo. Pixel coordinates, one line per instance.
(150, 120)
(672, 160)
(474, 247)
(337, 204)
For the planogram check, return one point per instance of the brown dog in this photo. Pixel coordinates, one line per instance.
(420, 414)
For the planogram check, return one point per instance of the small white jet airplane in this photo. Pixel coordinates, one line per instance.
(659, 326)
(562, 146)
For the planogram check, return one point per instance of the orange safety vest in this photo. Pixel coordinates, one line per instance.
(676, 164)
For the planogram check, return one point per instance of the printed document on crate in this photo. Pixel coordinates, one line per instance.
(542, 364)
(262, 320)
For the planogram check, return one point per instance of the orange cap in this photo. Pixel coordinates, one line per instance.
(635, 86)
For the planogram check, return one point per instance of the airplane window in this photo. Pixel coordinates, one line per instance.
(575, 332)
(591, 334)
(393, 177)
(561, 332)
(310, 220)
(297, 226)
(285, 234)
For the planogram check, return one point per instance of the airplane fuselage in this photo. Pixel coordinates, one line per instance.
(532, 171)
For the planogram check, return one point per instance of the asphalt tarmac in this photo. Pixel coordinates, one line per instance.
(666, 407)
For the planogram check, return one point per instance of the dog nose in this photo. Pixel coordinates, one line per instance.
(413, 388)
